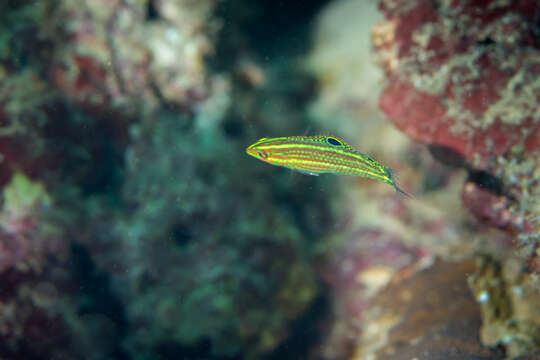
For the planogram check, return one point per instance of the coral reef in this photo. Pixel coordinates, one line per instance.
(133, 226)
(360, 269)
(129, 56)
(463, 82)
(463, 78)
(184, 281)
(385, 240)
(27, 238)
(23, 91)
(431, 313)
(508, 297)
(187, 252)
(112, 107)
(467, 80)
(464, 75)
(27, 241)
(41, 306)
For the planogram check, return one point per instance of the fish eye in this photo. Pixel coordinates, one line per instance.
(262, 154)
(333, 141)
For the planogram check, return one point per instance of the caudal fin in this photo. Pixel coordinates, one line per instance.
(392, 174)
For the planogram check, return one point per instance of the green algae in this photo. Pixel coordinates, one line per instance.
(23, 196)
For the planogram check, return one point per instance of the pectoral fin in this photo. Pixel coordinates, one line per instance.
(307, 173)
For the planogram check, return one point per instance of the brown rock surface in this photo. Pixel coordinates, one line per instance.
(431, 315)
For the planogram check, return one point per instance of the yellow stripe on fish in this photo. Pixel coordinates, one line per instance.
(315, 155)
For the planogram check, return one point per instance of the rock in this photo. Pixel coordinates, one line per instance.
(431, 315)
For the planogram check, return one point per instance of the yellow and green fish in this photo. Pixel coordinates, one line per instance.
(314, 155)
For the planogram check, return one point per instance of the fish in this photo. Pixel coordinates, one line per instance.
(314, 155)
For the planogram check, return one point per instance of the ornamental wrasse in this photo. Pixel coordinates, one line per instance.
(314, 155)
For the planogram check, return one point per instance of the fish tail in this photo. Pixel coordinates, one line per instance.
(392, 174)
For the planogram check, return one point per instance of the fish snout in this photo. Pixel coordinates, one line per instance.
(255, 152)
(250, 150)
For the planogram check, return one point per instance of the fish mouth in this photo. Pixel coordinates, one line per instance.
(251, 151)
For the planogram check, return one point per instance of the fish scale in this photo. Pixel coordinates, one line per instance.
(320, 154)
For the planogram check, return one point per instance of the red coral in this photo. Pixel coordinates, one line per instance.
(492, 209)
(463, 77)
(451, 82)
(83, 79)
(409, 15)
(414, 113)
(15, 153)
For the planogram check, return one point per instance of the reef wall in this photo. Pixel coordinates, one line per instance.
(461, 80)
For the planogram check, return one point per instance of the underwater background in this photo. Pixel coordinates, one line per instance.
(134, 226)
